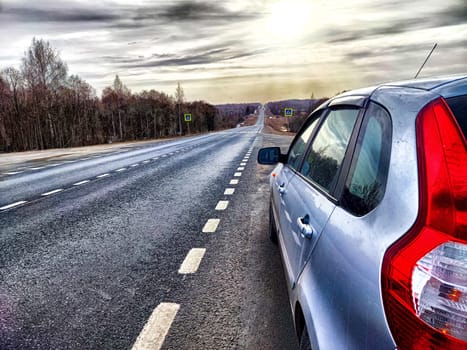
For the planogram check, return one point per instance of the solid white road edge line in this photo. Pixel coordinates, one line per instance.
(81, 182)
(211, 225)
(229, 191)
(222, 205)
(12, 205)
(52, 192)
(156, 328)
(192, 261)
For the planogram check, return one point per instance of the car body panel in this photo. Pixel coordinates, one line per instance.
(338, 275)
(299, 200)
(351, 248)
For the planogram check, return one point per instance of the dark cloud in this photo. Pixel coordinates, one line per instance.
(189, 11)
(390, 28)
(31, 14)
(199, 11)
(166, 60)
(458, 12)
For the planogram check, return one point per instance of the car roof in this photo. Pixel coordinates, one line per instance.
(446, 86)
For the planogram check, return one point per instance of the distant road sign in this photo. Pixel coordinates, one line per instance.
(288, 112)
(187, 117)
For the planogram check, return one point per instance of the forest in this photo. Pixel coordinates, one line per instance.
(42, 106)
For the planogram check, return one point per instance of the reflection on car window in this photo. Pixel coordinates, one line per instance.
(298, 148)
(366, 182)
(458, 107)
(328, 148)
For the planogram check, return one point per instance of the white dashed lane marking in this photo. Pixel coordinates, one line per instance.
(155, 330)
(146, 162)
(229, 191)
(52, 192)
(240, 168)
(222, 205)
(13, 172)
(134, 165)
(242, 164)
(121, 169)
(233, 182)
(103, 175)
(81, 183)
(12, 205)
(192, 261)
(238, 174)
(211, 225)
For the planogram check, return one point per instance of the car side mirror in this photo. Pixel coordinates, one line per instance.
(270, 155)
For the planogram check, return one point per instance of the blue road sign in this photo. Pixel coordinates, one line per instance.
(288, 112)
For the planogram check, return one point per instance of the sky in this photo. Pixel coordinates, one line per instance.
(241, 50)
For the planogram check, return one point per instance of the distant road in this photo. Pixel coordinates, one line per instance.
(168, 239)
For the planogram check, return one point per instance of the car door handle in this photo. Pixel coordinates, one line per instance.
(281, 189)
(306, 231)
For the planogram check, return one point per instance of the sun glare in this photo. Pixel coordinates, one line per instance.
(288, 19)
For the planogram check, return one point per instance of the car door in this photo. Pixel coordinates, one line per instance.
(345, 264)
(283, 175)
(308, 200)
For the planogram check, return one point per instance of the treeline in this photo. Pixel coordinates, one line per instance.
(305, 106)
(237, 109)
(301, 110)
(41, 107)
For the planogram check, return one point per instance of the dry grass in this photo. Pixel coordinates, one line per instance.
(249, 120)
(276, 125)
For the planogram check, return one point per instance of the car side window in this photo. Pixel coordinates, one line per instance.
(458, 107)
(300, 144)
(366, 182)
(327, 150)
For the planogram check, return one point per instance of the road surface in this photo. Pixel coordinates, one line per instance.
(159, 246)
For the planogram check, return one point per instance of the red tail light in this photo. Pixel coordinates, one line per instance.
(424, 275)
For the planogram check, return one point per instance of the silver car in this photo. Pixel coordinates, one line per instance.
(369, 208)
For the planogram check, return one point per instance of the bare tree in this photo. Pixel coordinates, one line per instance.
(43, 67)
(42, 107)
(44, 73)
(179, 97)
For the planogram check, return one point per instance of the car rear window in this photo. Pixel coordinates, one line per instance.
(458, 107)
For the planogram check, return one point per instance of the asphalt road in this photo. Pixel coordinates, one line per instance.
(94, 253)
